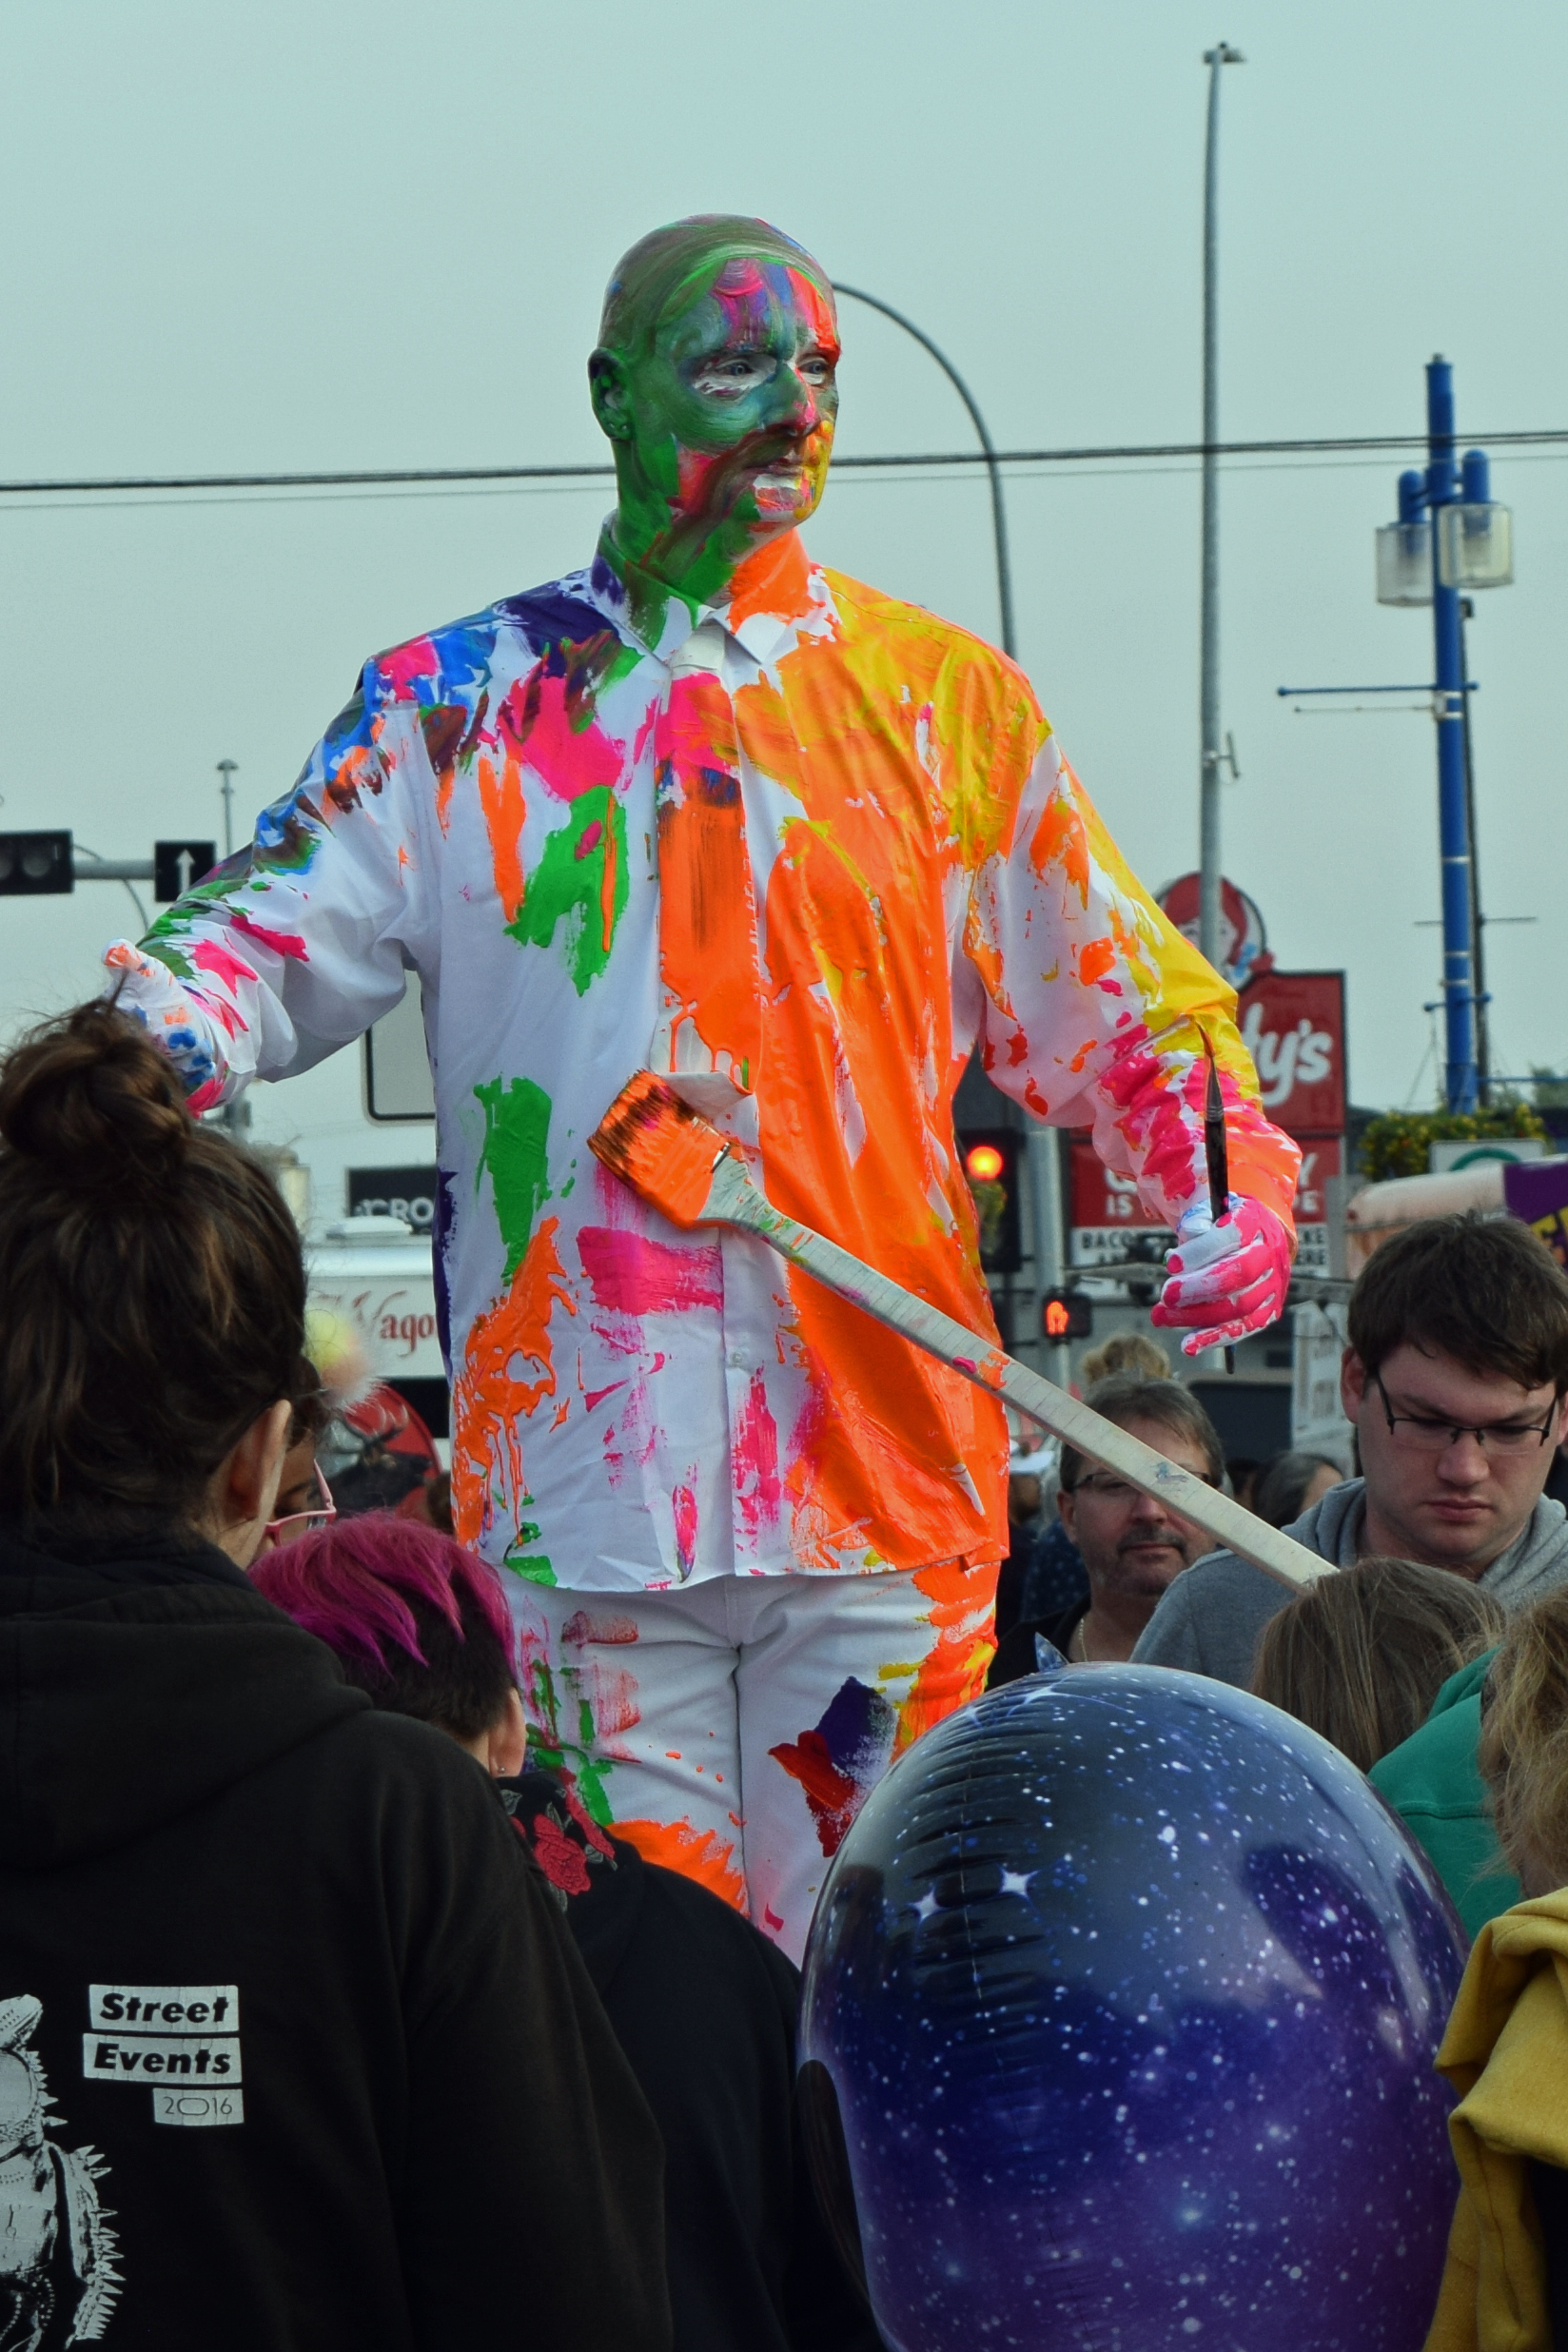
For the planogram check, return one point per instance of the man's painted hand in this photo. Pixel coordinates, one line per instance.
(1225, 1280)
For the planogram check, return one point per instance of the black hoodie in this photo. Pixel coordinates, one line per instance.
(706, 2010)
(291, 2032)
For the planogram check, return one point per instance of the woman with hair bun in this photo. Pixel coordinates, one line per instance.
(265, 2079)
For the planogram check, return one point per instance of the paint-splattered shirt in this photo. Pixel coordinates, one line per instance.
(807, 850)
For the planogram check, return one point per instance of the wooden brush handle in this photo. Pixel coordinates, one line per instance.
(735, 1199)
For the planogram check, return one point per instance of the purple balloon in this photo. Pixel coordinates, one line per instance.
(1120, 2011)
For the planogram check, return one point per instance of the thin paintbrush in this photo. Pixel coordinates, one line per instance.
(666, 1152)
(1215, 1153)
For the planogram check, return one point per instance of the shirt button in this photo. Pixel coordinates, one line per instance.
(737, 1362)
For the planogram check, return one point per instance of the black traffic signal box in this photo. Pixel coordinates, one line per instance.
(35, 865)
(990, 1158)
(1067, 1315)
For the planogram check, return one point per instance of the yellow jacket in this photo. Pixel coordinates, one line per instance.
(1506, 2053)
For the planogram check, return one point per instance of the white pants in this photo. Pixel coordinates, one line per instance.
(732, 1730)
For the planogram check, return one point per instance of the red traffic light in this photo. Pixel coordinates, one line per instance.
(1067, 1315)
(982, 1164)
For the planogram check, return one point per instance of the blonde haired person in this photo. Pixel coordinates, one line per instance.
(1360, 1657)
(1506, 2287)
(1130, 1352)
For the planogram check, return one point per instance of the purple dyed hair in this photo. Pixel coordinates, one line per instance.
(352, 1585)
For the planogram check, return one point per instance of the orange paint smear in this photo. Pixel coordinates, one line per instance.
(695, 1853)
(489, 1398)
(953, 1670)
(773, 579)
(502, 799)
(1095, 960)
(1061, 843)
(663, 1151)
(607, 892)
(707, 910)
(857, 1001)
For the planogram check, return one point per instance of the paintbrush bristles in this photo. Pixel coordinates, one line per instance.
(660, 1147)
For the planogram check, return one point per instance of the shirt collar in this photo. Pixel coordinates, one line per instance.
(767, 595)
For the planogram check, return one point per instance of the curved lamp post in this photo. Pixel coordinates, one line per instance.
(1208, 685)
(993, 467)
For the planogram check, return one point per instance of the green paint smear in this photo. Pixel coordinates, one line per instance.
(517, 1137)
(586, 1775)
(532, 1565)
(567, 887)
(158, 942)
(590, 1780)
(626, 660)
(546, 1746)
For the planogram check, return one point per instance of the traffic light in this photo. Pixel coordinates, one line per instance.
(991, 1157)
(1067, 1315)
(33, 865)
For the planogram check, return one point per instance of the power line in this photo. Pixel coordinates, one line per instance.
(392, 477)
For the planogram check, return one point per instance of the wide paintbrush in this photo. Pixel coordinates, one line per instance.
(661, 1147)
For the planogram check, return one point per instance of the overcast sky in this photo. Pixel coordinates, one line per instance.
(353, 235)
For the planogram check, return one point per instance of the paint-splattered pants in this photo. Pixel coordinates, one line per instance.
(733, 1729)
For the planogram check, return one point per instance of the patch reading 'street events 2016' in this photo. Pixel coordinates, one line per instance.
(180, 2041)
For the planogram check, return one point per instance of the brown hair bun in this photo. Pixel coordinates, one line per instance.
(96, 1105)
(152, 1281)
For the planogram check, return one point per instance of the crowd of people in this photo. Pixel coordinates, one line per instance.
(440, 1848)
(274, 1850)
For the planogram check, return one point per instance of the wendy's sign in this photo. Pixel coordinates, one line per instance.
(1292, 1022)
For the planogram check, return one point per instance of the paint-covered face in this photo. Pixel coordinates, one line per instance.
(724, 426)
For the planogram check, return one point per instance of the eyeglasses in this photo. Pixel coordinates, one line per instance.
(1416, 1432)
(1120, 1490)
(302, 1523)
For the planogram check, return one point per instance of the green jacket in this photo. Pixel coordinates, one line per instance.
(1434, 1784)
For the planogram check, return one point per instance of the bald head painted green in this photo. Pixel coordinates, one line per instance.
(656, 274)
(714, 381)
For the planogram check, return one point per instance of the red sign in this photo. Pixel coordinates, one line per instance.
(1244, 942)
(1292, 1022)
(1101, 1199)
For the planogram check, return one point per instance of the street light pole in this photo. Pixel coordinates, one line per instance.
(226, 769)
(1451, 537)
(1478, 920)
(1458, 929)
(993, 467)
(1208, 684)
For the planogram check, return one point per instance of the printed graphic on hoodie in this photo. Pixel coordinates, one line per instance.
(181, 2040)
(59, 2280)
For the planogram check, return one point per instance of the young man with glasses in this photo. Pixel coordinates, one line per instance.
(1133, 1547)
(1454, 1379)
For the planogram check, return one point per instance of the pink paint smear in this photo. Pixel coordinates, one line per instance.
(636, 1276)
(535, 725)
(281, 943)
(208, 956)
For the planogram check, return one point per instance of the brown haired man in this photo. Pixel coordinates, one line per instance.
(1133, 1547)
(1454, 1379)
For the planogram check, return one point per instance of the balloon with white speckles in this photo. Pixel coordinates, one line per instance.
(1120, 2012)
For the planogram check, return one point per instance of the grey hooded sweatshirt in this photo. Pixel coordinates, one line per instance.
(1209, 1619)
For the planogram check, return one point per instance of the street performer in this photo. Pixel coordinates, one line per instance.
(709, 808)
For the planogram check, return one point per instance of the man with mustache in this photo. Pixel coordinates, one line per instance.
(709, 808)
(1133, 1547)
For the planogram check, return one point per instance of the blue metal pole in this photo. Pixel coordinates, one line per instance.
(1458, 988)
